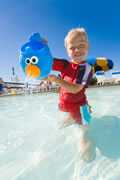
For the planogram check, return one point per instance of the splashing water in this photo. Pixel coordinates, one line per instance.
(33, 147)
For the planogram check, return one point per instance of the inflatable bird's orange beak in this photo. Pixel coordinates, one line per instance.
(32, 71)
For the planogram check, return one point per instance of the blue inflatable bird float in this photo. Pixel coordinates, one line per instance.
(35, 58)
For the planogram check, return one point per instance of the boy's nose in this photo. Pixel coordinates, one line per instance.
(76, 50)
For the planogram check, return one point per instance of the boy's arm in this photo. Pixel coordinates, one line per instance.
(71, 88)
(78, 85)
(60, 65)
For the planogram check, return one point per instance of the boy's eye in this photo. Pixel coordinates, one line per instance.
(82, 46)
(72, 48)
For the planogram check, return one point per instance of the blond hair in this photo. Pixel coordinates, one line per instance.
(74, 33)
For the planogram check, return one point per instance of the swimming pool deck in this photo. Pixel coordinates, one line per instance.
(30, 91)
(51, 90)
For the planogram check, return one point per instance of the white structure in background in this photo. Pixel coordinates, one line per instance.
(14, 77)
(116, 77)
(100, 78)
(108, 78)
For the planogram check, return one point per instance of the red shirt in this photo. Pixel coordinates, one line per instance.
(76, 74)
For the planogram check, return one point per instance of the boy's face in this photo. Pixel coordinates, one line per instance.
(77, 48)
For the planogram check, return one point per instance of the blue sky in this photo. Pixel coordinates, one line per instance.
(53, 19)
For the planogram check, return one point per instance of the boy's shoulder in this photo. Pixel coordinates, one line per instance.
(59, 64)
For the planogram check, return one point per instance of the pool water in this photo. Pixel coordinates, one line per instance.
(32, 147)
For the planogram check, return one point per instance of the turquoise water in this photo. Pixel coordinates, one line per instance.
(33, 148)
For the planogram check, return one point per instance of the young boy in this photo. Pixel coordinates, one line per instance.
(73, 80)
(75, 77)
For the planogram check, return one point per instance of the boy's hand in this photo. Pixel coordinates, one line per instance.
(53, 78)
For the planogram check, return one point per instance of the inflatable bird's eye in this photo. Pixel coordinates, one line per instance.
(27, 61)
(34, 60)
